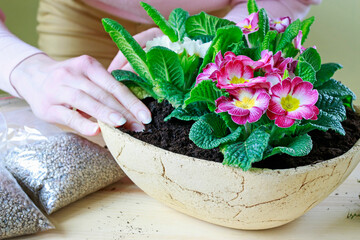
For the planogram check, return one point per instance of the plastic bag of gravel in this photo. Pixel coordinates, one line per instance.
(59, 168)
(18, 214)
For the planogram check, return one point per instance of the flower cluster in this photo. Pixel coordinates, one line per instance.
(283, 100)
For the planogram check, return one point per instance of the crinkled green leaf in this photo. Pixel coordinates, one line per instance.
(210, 131)
(252, 6)
(165, 65)
(290, 33)
(223, 39)
(128, 77)
(335, 88)
(305, 28)
(228, 121)
(205, 91)
(257, 37)
(332, 106)
(159, 20)
(167, 90)
(293, 146)
(306, 72)
(244, 154)
(203, 38)
(312, 57)
(177, 19)
(326, 71)
(269, 40)
(133, 52)
(324, 122)
(190, 66)
(192, 112)
(138, 91)
(205, 24)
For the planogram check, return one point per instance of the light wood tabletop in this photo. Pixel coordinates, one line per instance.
(123, 211)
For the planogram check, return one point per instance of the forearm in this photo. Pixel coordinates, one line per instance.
(12, 52)
(275, 8)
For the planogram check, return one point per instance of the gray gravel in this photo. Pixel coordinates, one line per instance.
(62, 169)
(18, 214)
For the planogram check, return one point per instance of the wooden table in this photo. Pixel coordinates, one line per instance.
(123, 211)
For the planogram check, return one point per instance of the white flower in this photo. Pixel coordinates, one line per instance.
(191, 46)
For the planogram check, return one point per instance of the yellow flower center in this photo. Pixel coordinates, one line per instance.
(277, 22)
(236, 80)
(289, 103)
(246, 103)
(248, 26)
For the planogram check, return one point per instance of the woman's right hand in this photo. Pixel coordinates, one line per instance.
(54, 89)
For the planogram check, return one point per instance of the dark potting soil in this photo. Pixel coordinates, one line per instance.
(173, 135)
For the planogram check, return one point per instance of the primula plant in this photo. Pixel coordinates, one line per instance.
(252, 89)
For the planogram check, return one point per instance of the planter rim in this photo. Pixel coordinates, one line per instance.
(287, 171)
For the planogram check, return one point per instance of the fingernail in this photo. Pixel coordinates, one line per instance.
(95, 129)
(117, 119)
(144, 117)
(137, 127)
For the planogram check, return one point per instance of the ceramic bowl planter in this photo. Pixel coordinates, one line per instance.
(210, 191)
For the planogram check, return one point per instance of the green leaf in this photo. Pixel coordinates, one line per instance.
(210, 131)
(252, 6)
(268, 40)
(229, 122)
(203, 38)
(177, 21)
(312, 57)
(324, 122)
(294, 146)
(133, 52)
(138, 91)
(205, 24)
(305, 28)
(190, 66)
(290, 33)
(224, 38)
(165, 65)
(205, 91)
(128, 77)
(333, 106)
(306, 72)
(159, 20)
(326, 71)
(243, 154)
(192, 112)
(257, 37)
(337, 89)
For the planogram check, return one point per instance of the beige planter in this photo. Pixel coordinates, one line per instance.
(256, 199)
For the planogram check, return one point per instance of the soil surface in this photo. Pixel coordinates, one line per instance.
(173, 136)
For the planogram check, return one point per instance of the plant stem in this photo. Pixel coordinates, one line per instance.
(247, 129)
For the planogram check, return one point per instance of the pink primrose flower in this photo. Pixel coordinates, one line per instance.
(297, 42)
(265, 61)
(237, 73)
(292, 100)
(280, 24)
(250, 24)
(244, 104)
(279, 65)
(211, 69)
(273, 79)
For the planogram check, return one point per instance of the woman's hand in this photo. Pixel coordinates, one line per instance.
(120, 62)
(54, 89)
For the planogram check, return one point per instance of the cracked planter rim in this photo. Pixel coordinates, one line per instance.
(227, 196)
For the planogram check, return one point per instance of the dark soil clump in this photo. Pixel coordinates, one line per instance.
(173, 136)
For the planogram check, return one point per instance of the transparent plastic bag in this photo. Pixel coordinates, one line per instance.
(56, 167)
(18, 214)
